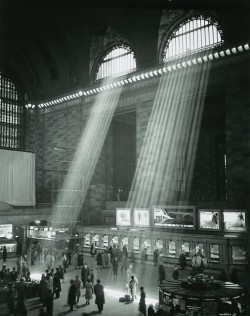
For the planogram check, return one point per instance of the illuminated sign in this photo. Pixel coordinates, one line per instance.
(141, 217)
(123, 217)
(209, 219)
(174, 216)
(234, 220)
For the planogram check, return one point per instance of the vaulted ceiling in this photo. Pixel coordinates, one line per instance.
(45, 45)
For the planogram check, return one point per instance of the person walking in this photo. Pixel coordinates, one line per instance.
(72, 295)
(89, 291)
(156, 254)
(133, 286)
(151, 311)
(115, 266)
(57, 283)
(183, 260)
(77, 283)
(175, 274)
(142, 303)
(161, 273)
(84, 274)
(124, 261)
(99, 294)
(234, 276)
(4, 254)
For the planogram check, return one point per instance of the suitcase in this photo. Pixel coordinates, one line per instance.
(122, 299)
(127, 298)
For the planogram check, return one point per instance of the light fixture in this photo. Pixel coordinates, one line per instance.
(174, 67)
(159, 71)
(169, 68)
(147, 75)
(189, 63)
(164, 70)
(246, 46)
(155, 73)
(205, 58)
(228, 52)
(184, 64)
(234, 50)
(222, 53)
(199, 60)
(179, 66)
(151, 74)
(80, 93)
(194, 61)
(216, 55)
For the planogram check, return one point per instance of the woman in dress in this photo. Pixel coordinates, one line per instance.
(89, 291)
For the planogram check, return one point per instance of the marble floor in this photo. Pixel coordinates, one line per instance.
(114, 287)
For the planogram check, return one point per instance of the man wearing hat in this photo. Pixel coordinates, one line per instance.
(99, 293)
(142, 304)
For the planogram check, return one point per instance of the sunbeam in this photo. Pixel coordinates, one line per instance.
(170, 143)
(77, 180)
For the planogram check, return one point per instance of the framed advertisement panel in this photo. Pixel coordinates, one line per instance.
(234, 220)
(174, 216)
(141, 217)
(209, 219)
(123, 217)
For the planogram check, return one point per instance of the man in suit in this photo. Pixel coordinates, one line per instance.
(72, 295)
(99, 293)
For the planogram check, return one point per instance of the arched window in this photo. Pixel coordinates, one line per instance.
(11, 115)
(194, 35)
(117, 61)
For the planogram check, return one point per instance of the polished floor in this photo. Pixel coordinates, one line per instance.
(114, 287)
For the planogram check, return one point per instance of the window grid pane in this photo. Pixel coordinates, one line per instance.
(193, 36)
(11, 115)
(117, 62)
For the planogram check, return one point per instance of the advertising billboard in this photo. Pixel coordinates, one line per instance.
(141, 217)
(174, 216)
(209, 219)
(234, 220)
(123, 217)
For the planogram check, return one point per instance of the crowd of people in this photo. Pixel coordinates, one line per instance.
(56, 262)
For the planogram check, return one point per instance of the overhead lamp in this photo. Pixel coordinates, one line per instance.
(80, 93)
(184, 64)
(138, 78)
(84, 93)
(194, 61)
(105, 88)
(91, 91)
(169, 68)
(246, 46)
(147, 75)
(228, 52)
(88, 92)
(216, 55)
(222, 53)
(164, 69)
(115, 85)
(134, 79)
(97, 90)
(159, 71)
(189, 63)
(101, 88)
(118, 83)
(126, 81)
(199, 60)
(122, 82)
(174, 67)
(130, 80)
(234, 50)
(205, 58)
(111, 85)
(151, 74)
(210, 57)
(155, 73)
(178, 66)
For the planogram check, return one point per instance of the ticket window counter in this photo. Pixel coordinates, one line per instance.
(136, 245)
(214, 253)
(147, 246)
(238, 253)
(159, 245)
(172, 248)
(185, 248)
(114, 241)
(95, 240)
(105, 239)
(87, 240)
(199, 247)
(124, 242)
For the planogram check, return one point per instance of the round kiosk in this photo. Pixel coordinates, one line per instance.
(201, 295)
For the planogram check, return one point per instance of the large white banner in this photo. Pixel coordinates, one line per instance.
(17, 178)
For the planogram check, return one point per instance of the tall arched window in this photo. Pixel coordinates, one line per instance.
(194, 35)
(11, 115)
(117, 61)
